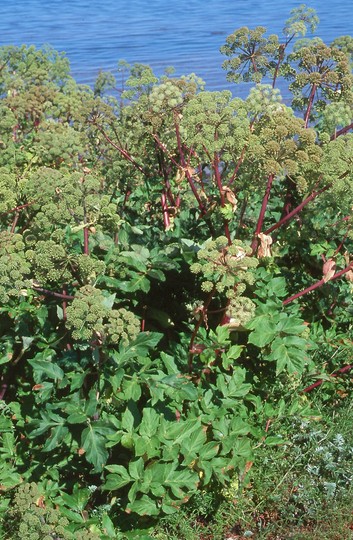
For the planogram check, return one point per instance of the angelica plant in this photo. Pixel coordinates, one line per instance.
(166, 254)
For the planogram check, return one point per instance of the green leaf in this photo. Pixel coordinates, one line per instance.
(192, 446)
(178, 432)
(131, 389)
(108, 526)
(57, 436)
(274, 440)
(147, 446)
(8, 444)
(290, 359)
(144, 342)
(78, 500)
(232, 354)
(150, 422)
(291, 325)
(127, 421)
(136, 469)
(118, 479)
(94, 445)
(143, 507)
(264, 331)
(139, 283)
(27, 342)
(45, 368)
(108, 301)
(77, 418)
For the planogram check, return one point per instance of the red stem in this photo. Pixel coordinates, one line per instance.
(317, 285)
(321, 381)
(310, 104)
(240, 161)
(297, 209)
(187, 173)
(215, 165)
(123, 152)
(262, 211)
(14, 222)
(85, 241)
(17, 208)
(51, 293)
(166, 219)
(342, 131)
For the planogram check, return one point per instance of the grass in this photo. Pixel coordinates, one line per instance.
(301, 490)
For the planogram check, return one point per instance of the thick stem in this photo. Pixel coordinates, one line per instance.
(14, 222)
(163, 172)
(297, 209)
(52, 293)
(342, 131)
(310, 105)
(123, 152)
(282, 49)
(186, 169)
(215, 165)
(318, 284)
(236, 169)
(321, 381)
(17, 208)
(85, 241)
(165, 211)
(262, 212)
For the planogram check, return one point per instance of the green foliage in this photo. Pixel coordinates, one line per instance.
(173, 263)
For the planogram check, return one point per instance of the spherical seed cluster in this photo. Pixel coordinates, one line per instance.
(216, 121)
(63, 198)
(85, 314)
(108, 217)
(121, 326)
(165, 96)
(7, 190)
(57, 144)
(28, 517)
(50, 263)
(88, 317)
(13, 266)
(88, 268)
(336, 168)
(224, 266)
(336, 115)
(264, 99)
(240, 311)
(242, 47)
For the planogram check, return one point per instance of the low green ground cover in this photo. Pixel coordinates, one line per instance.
(176, 296)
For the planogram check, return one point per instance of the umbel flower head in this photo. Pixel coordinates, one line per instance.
(90, 316)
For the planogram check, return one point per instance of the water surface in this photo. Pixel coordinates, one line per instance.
(186, 34)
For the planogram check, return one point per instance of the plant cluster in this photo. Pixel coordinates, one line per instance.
(174, 263)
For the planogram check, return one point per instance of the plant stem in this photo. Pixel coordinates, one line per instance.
(310, 105)
(52, 293)
(215, 166)
(297, 209)
(198, 326)
(317, 285)
(186, 169)
(123, 152)
(262, 211)
(321, 381)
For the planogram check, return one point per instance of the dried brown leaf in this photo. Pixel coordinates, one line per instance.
(328, 269)
(264, 250)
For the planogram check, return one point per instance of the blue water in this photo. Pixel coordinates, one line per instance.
(186, 34)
